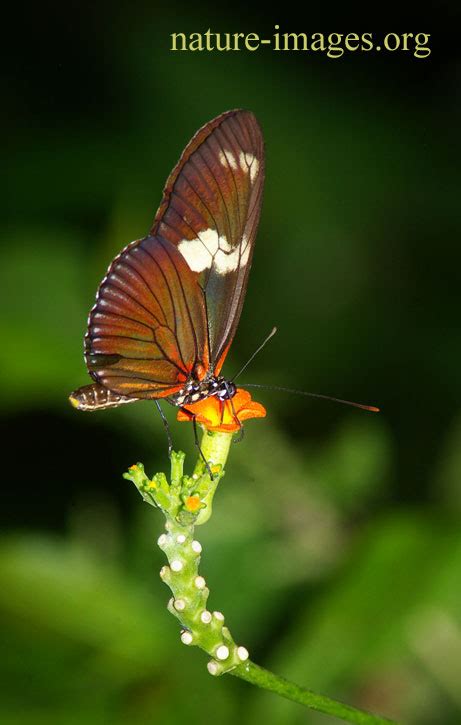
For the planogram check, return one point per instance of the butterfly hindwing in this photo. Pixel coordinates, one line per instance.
(147, 330)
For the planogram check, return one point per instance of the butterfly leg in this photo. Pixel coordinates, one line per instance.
(239, 437)
(166, 426)
(197, 445)
(241, 432)
(223, 406)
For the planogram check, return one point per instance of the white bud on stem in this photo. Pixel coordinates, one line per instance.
(222, 653)
(213, 667)
(242, 654)
(186, 637)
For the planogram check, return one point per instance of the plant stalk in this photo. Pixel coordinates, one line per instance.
(186, 502)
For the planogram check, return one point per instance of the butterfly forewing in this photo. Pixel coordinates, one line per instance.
(210, 212)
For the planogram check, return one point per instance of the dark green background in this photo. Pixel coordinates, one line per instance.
(335, 546)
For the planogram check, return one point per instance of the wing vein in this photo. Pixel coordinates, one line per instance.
(186, 304)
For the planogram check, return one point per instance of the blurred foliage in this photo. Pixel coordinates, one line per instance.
(335, 545)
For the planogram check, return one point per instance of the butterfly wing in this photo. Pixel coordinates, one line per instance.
(210, 212)
(170, 303)
(147, 330)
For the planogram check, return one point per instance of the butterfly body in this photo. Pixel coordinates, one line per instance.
(96, 397)
(167, 310)
(197, 390)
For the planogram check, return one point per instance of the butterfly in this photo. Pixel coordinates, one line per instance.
(168, 308)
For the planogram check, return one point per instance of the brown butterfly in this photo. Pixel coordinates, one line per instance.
(167, 310)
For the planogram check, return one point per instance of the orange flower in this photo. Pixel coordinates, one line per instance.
(193, 503)
(223, 416)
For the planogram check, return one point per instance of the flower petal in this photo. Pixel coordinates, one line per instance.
(225, 416)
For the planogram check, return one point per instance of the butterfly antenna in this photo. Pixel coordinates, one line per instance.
(271, 334)
(371, 408)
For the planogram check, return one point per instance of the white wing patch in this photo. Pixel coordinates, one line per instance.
(196, 254)
(227, 158)
(249, 163)
(211, 250)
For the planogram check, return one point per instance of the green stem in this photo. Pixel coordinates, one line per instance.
(187, 502)
(215, 449)
(268, 681)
